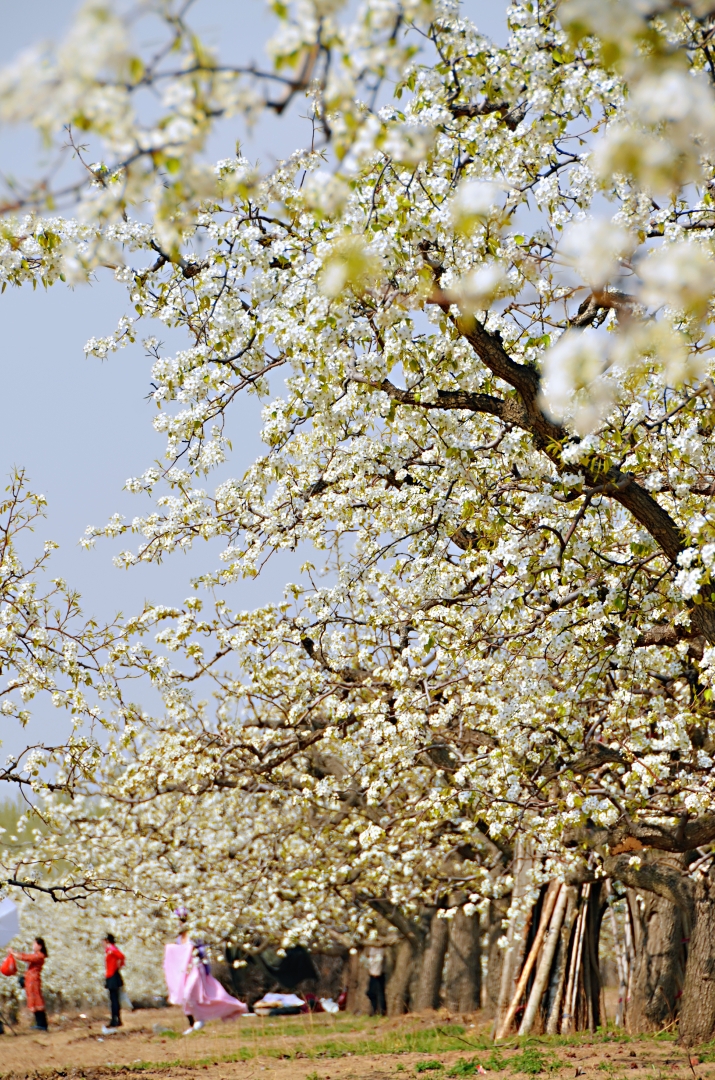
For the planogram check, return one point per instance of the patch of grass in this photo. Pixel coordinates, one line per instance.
(268, 1027)
(332, 1050)
(459, 1050)
(580, 1037)
(244, 1054)
(494, 1062)
(533, 1062)
(305, 1042)
(462, 1067)
(455, 1033)
(427, 1041)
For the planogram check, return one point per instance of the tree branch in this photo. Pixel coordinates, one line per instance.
(549, 437)
(58, 893)
(448, 400)
(594, 756)
(631, 836)
(389, 911)
(654, 877)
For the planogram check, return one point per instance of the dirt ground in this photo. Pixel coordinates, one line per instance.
(326, 1048)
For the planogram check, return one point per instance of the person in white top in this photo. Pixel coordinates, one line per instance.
(375, 960)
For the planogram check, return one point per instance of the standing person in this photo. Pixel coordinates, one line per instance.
(191, 984)
(375, 959)
(183, 938)
(114, 962)
(33, 981)
(200, 955)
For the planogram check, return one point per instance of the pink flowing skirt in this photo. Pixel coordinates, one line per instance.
(198, 993)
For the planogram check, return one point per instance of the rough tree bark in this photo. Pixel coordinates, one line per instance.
(697, 1015)
(696, 897)
(427, 975)
(416, 977)
(397, 992)
(495, 956)
(358, 1001)
(659, 968)
(463, 967)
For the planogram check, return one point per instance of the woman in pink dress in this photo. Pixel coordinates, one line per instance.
(191, 984)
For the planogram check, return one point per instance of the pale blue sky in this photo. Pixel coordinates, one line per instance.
(81, 427)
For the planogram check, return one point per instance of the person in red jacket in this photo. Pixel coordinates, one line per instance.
(33, 981)
(114, 962)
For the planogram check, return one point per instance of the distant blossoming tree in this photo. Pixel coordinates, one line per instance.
(49, 653)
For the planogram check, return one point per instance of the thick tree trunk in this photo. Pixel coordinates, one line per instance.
(358, 978)
(427, 978)
(592, 972)
(697, 1014)
(495, 956)
(659, 954)
(695, 896)
(463, 968)
(398, 986)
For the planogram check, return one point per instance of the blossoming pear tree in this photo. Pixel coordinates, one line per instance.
(51, 655)
(289, 851)
(475, 310)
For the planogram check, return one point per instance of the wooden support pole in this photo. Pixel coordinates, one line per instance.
(566, 1013)
(547, 958)
(621, 958)
(553, 1024)
(631, 955)
(586, 969)
(547, 911)
(516, 942)
(569, 1015)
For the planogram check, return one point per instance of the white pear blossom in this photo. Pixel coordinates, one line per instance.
(679, 275)
(595, 247)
